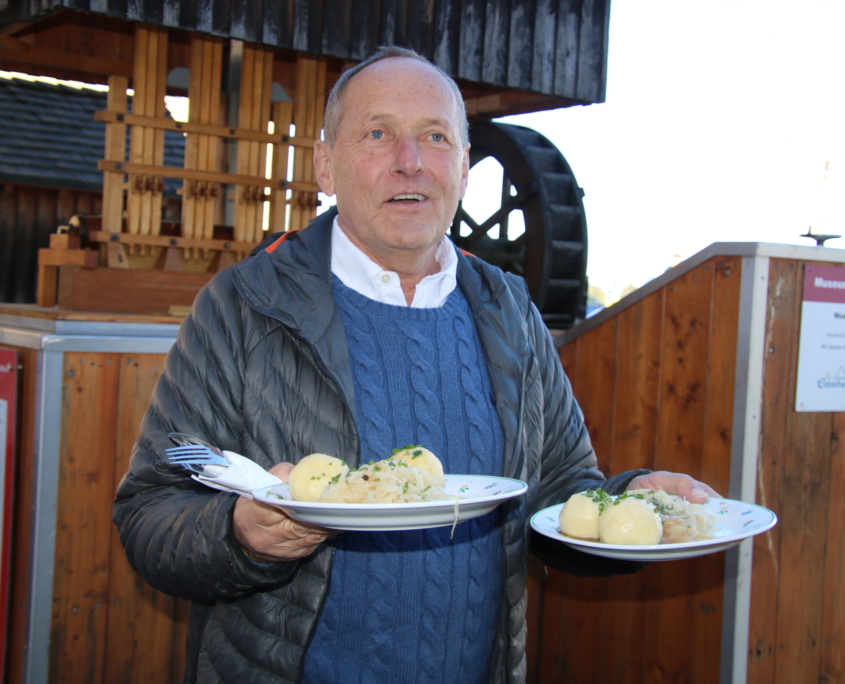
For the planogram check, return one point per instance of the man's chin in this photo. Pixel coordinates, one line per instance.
(413, 237)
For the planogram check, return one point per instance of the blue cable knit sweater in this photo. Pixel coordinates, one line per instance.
(415, 606)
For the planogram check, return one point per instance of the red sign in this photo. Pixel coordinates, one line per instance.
(8, 406)
(824, 284)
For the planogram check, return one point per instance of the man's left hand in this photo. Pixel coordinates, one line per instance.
(675, 483)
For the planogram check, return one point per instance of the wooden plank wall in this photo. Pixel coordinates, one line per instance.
(555, 47)
(797, 630)
(656, 386)
(27, 217)
(108, 626)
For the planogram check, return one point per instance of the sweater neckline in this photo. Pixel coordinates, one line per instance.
(394, 312)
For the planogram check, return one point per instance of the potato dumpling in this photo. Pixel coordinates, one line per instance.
(630, 521)
(421, 458)
(313, 474)
(580, 517)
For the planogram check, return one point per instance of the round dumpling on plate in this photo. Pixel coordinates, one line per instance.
(630, 521)
(421, 458)
(313, 474)
(579, 517)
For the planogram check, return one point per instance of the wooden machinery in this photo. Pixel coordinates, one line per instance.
(128, 259)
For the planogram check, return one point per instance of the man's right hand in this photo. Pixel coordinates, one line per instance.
(269, 535)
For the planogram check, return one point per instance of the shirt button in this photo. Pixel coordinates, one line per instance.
(385, 278)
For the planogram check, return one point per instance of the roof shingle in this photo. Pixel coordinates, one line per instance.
(48, 137)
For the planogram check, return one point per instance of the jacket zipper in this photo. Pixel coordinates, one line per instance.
(514, 473)
(319, 363)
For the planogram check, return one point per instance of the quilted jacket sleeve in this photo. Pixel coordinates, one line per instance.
(177, 533)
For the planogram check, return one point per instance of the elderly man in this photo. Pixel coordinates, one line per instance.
(366, 331)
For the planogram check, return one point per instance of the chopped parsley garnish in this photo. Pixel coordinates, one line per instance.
(628, 495)
(601, 497)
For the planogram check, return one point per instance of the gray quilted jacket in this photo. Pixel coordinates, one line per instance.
(261, 367)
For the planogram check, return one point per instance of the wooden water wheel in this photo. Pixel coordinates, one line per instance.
(551, 253)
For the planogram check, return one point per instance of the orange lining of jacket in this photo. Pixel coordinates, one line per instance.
(273, 245)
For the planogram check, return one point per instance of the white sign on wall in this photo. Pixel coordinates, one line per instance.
(821, 352)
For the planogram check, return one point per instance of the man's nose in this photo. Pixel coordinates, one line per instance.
(408, 160)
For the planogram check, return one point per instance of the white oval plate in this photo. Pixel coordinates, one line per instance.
(734, 521)
(477, 495)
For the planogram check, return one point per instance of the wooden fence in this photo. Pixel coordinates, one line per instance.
(661, 381)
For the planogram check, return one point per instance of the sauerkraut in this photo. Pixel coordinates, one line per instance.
(682, 521)
(411, 475)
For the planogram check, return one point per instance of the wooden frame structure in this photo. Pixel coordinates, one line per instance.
(130, 235)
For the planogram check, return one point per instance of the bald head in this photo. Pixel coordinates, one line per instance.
(334, 106)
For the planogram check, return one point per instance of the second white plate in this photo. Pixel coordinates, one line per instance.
(476, 495)
(734, 521)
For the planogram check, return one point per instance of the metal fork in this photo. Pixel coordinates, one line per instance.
(193, 454)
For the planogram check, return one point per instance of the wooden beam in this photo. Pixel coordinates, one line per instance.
(141, 291)
(213, 176)
(105, 116)
(14, 27)
(282, 117)
(164, 241)
(115, 150)
(487, 103)
(61, 257)
(16, 50)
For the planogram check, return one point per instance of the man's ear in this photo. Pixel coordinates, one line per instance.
(323, 167)
(464, 172)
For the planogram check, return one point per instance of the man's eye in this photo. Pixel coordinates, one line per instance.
(437, 137)
(377, 135)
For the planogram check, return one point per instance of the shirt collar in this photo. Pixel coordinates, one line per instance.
(357, 271)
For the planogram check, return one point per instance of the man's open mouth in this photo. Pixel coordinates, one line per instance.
(408, 198)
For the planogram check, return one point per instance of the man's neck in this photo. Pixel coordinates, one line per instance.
(410, 265)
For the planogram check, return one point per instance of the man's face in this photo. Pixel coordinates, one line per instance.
(398, 166)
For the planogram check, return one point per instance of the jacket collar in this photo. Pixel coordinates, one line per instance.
(293, 283)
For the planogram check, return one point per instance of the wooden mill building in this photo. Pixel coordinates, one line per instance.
(676, 377)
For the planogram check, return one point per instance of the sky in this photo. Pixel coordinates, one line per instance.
(724, 121)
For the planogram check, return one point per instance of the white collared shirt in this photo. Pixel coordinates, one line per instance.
(357, 271)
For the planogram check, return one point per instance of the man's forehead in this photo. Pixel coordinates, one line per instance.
(380, 91)
(398, 67)
(378, 116)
